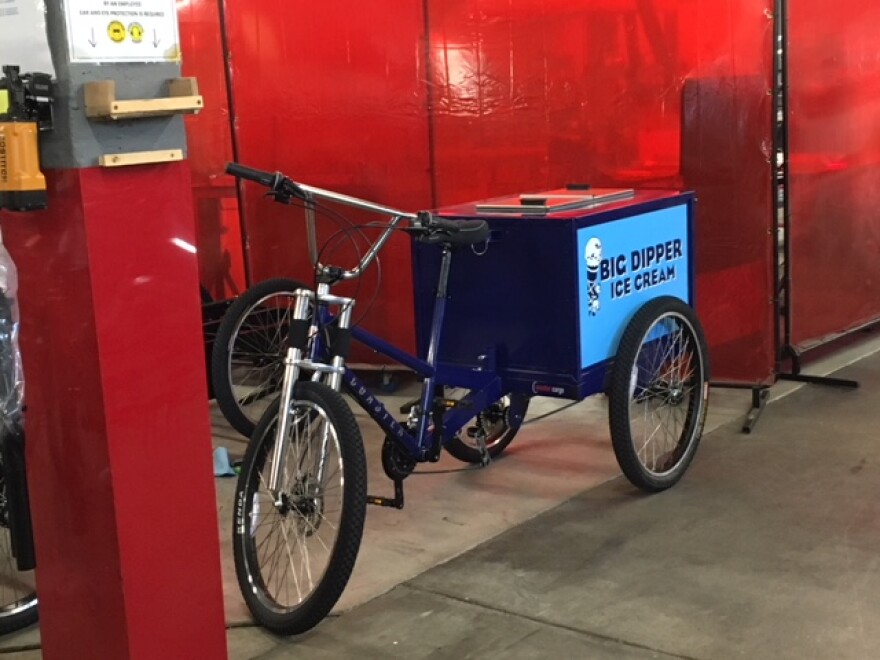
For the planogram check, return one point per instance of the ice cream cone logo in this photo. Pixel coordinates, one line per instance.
(593, 257)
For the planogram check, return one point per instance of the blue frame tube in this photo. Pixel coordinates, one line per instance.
(416, 444)
(380, 414)
(427, 400)
(380, 345)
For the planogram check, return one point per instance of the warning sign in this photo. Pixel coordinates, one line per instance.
(122, 30)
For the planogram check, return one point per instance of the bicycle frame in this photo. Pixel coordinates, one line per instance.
(421, 443)
(418, 445)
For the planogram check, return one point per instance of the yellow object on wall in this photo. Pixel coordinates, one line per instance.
(22, 185)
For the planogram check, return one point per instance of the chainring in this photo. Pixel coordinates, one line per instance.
(396, 463)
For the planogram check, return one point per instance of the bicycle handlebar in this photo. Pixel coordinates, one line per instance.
(276, 181)
(454, 232)
(258, 176)
(434, 230)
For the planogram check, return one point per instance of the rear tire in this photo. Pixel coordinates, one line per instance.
(294, 559)
(659, 394)
(246, 361)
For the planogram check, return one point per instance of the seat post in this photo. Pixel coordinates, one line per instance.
(434, 342)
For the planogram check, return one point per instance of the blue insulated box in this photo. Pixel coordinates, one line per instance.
(545, 302)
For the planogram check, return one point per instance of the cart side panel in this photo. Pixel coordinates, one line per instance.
(624, 264)
(515, 303)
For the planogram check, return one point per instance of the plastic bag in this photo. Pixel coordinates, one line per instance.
(11, 374)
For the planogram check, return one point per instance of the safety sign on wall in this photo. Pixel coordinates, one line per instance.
(122, 30)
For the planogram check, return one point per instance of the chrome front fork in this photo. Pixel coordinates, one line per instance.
(295, 361)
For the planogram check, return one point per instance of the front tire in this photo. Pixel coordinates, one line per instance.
(295, 554)
(658, 394)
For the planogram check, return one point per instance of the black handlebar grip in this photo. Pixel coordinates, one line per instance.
(444, 224)
(456, 232)
(249, 173)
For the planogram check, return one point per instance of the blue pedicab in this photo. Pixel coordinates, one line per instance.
(564, 294)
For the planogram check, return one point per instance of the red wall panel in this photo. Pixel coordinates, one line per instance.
(335, 96)
(834, 144)
(538, 93)
(209, 137)
(514, 95)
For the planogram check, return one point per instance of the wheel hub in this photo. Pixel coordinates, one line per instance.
(304, 502)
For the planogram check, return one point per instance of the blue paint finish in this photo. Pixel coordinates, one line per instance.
(621, 266)
(474, 402)
(380, 414)
(456, 376)
(383, 347)
(692, 241)
(519, 300)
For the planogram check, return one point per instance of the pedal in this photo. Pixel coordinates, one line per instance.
(395, 502)
(480, 438)
(455, 403)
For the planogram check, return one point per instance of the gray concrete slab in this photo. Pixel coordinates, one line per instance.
(767, 549)
(764, 550)
(409, 623)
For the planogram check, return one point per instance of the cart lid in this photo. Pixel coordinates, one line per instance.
(566, 203)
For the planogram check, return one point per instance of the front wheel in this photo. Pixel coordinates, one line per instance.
(658, 394)
(295, 549)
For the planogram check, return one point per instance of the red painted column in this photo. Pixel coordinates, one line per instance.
(118, 433)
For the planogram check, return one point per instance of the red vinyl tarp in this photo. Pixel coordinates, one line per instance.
(646, 93)
(421, 104)
(834, 178)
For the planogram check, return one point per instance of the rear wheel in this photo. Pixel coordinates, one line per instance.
(294, 550)
(497, 424)
(659, 394)
(246, 361)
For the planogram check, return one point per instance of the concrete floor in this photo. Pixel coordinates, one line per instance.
(766, 549)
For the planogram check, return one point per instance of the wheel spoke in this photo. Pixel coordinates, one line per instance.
(251, 350)
(293, 541)
(665, 393)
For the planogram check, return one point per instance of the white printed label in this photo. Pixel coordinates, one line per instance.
(122, 30)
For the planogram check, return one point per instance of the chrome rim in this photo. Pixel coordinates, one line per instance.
(493, 422)
(256, 349)
(665, 394)
(291, 539)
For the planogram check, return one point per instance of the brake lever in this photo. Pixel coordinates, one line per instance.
(279, 196)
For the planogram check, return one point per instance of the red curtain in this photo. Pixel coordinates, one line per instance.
(637, 92)
(474, 98)
(333, 94)
(834, 126)
(219, 242)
